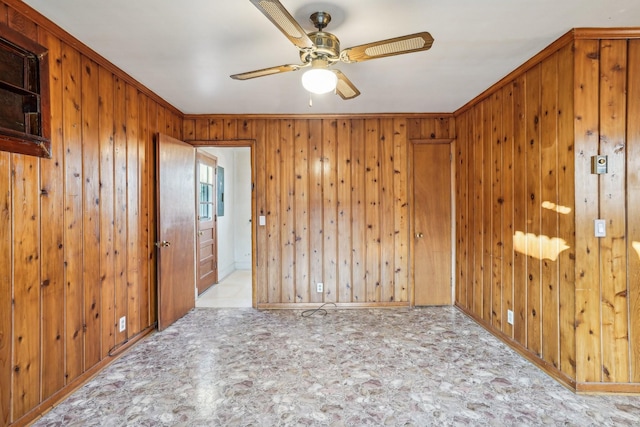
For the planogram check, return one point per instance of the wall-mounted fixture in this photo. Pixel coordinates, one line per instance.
(598, 164)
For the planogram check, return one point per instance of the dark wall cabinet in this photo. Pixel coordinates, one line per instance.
(24, 95)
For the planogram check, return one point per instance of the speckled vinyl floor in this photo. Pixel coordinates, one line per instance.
(395, 367)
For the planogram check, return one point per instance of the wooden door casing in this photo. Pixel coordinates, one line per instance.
(207, 243)
(176, 229)
(432, 224)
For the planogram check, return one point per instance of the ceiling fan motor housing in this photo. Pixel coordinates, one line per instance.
(326, 45)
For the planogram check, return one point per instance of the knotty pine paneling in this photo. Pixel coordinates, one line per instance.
(633, 201)
(52, 208)
(76, 230)
(334, 191)
(575, 297)
(587, 72)
(607, 104)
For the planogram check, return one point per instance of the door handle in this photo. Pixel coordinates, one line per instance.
(163, 244)
(419, 235)
(200, 233)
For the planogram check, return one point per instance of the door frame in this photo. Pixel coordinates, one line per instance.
(251, 144)
(412, 226)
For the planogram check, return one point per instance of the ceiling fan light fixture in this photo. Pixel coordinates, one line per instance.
(319, 80)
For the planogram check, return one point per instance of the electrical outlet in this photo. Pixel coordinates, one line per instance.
(123, 323)
(510, 317)
(319, 287)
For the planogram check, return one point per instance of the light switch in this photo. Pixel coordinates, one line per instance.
(262, 220)
(600, 228)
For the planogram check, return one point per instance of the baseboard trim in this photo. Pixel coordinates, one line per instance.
(608, 388)
(329, 305)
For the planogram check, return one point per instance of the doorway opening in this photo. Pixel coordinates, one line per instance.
(233, 228)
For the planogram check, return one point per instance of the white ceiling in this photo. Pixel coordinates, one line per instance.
(185, 50)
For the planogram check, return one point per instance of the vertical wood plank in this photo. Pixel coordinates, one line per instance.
(588, 333)
(245, 129)
(316, 232)
(520, 280)
(261, 210)
(151, 248)
(462, 228)
(168, 122)
(428, 129)
(301, 131)
(52, 207)
(230, 130)
(401, 211)
(533, 184)
(133, 212)
(444, 127)
(387, 207)
(330, 209)
(287, 214)
(358, 202)
(26, 284)
(478, 190)
(508, 178)
(566, 220)
(6, 247)
(216, 129)
(273, 208)
(343, 143)
(470, 200)
(613, 248)
(120, 202)
(189, 129)
(144, 178)
(372, 209)
(161, 118)
(487, 207)
(91, 212)
(202, 129)
(414, 129)
(633, 201)
(72, 131)
(549, 244)
(107, 197)
(497, 200)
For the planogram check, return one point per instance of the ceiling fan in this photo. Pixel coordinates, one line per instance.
(319, 50)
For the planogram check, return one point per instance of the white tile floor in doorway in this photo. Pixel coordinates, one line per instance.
(234, 291)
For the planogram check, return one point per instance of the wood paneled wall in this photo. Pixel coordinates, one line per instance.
(607, 107)
(334, 192)
(76, 230)
(526, 201)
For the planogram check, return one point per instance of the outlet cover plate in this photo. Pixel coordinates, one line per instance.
(123, 324)
(510, 317)
(320, 287)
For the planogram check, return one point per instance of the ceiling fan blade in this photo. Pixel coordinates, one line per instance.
(396, 46)
(345, 88)
(282, 19)
(266, 72)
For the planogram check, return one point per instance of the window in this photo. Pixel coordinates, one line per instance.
(206, 192)
(24, 95)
